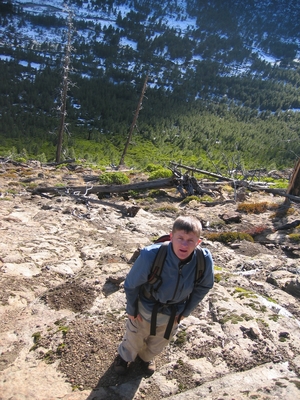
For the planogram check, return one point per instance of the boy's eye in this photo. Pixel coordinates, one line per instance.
(189, 241)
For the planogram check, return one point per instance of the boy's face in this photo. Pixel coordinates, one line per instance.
(184, 243)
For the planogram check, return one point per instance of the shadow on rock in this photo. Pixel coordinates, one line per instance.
(114, 387)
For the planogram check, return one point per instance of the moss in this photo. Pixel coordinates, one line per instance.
(274, 317)
(294, 237)
(60, 348)
(63, 329)
(243, 293)
(36, 340)
(157, 193)
(181, 338)
(228, 188)
(262, 322)
(206, 199)
(166, 208)
(49, 357)
(188, 199)
(270, 299)
(246, 317)
(217, 278)
(233, 318)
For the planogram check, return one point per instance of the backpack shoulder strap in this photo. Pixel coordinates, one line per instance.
(200, 264)
(158, 263)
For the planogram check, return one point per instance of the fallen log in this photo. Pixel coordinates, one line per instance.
(201, 171)
(155, 184)
(291, 225)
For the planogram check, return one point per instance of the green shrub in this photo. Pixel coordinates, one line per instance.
(160, 173)
(206, 198)
(253, 208)
(277, 183)
(227, 237)
(42, 158)
(113, 178)
(152, 167)
(190, 198)
(228, 188)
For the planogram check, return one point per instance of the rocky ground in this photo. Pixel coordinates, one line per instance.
(62, 266)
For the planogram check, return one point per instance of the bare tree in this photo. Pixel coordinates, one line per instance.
(133, 125)
(65, 85)
(294, 185)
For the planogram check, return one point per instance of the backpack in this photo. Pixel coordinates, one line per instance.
(157, 266)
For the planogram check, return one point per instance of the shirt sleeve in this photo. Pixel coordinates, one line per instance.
(138, 276)
(203, 287)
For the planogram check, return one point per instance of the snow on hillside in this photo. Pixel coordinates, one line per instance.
(26, 34)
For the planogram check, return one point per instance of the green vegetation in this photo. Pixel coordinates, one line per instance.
(228, 237)
(256, 208)
(274, 317)
(181, 338)
(64, 330)
(166, 208)
(294, 237)
(242, 293)
(188, 199)
(113, 178)
(232, 317)
(160, 173)
(277, 183)
(197, 110)
(262, 322)
(37, 336)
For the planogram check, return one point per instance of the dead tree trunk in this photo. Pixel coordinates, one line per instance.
(133, 123)
(294, 185)
(64, 89)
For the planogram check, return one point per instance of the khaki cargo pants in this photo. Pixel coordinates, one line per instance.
(138, 341)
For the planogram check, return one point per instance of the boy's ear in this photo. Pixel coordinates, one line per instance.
(199, 241)
(171, 235)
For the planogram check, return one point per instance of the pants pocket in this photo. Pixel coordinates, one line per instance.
(131, 326)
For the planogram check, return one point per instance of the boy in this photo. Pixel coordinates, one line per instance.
(154, 311)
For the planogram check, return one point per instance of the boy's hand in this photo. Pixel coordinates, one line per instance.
(139, 317)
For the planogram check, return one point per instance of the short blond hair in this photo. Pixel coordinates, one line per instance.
(187, 223)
